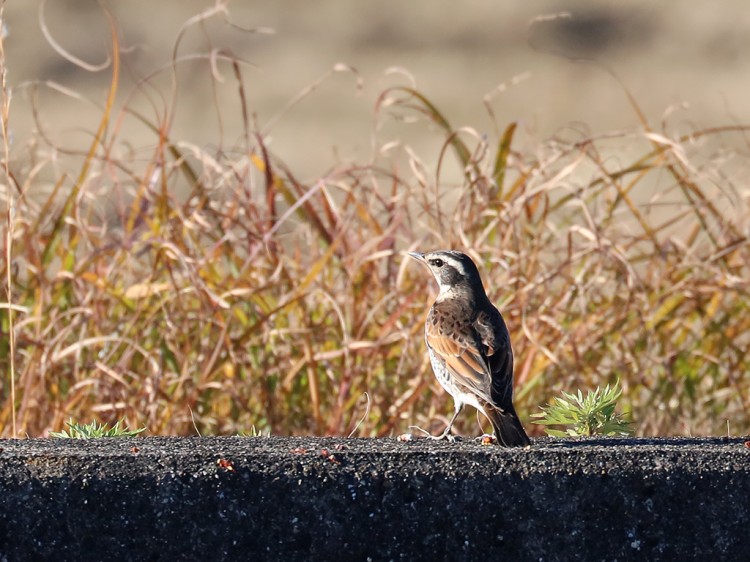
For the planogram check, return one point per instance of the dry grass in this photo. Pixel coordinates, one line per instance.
(214, 290)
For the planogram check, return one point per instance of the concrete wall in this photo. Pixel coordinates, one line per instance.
(357, 499)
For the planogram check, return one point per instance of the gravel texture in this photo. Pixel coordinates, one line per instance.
(275, 498)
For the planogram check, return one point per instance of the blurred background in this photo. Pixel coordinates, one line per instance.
(169, 278)
(688, 59)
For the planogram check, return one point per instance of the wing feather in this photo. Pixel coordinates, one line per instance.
(459, 346)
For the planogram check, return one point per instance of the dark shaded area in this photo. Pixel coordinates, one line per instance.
(591, 33)
(354, 499)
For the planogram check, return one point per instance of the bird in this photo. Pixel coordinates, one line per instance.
(469, 346)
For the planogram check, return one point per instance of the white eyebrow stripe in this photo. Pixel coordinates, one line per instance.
(456, 264)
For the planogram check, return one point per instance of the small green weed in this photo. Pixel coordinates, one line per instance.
(94, 430)
(254, 432)
(593, 414)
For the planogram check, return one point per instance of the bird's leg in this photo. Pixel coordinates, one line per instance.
(485, 438)
(447, 433)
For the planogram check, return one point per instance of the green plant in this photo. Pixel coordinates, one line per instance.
(94, 430)
(593, 414)
(255, 432)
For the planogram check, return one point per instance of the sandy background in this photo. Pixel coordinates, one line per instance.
(668, 53)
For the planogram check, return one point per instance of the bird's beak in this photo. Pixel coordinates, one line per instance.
(417, 256)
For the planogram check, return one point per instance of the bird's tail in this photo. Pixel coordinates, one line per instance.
(507, 426)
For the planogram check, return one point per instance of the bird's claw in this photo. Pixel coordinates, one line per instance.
(446, 435)
(487, 439)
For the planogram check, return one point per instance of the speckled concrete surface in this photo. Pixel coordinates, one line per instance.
(357, 499)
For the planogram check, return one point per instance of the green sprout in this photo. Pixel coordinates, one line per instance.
(254, 432)
(94, 430)
(593, 414)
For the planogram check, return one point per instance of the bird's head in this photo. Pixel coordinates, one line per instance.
(454, 271)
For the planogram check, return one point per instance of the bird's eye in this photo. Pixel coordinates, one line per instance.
(437, 263)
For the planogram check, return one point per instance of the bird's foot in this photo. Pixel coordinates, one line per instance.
(446, 435)
(487, 439)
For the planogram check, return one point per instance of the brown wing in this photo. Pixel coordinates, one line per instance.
(451, 335)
